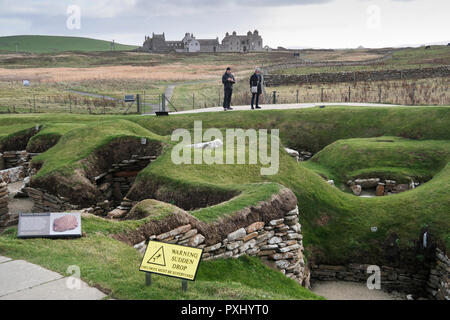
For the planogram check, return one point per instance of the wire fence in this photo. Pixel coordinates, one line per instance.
(64, 103)
(426, 92)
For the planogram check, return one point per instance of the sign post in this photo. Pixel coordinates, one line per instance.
(148, 279)
(184, 285)
(171, 260)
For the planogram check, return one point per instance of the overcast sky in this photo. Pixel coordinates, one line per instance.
(288, 23)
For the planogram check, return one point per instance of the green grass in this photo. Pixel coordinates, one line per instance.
(79, 143)
(114, 266)
(51, 44)
(385, 157)
(49, 135)
(346, 235)
(44, 97)
(10, 131)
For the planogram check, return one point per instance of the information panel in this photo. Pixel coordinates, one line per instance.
(54, 225)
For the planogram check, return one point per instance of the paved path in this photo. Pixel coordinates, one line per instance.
(343, 290)
(21, 280)
(93, 95)
(169, 91)
(285, 107)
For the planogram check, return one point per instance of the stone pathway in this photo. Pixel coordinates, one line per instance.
(169, 91)
(343, 290)
(21, 280)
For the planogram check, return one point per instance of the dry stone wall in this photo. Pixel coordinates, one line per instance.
(438, 285)
(15, 165)
(112, 184)
(306, 63)
(12, 175)
(278, 242)
(274, 80)
(4, 198)
(45, 202)
(382, 187)
(424, 283)
(115, 184)
(12, 159)
(392, 279)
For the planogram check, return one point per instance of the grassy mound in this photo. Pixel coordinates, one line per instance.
(384, 157)
(49, 136)
(79, 143)
(68, 168)
(336, 225)
(114, 266)
(49, 44)
(16, 137)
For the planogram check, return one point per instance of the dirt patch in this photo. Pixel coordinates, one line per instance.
(323, 220)
(42, 144)
(185, 197)
(18, 141)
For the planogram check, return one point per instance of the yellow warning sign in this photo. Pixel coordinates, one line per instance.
(171, 260)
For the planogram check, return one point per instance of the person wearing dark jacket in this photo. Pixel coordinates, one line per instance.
(256, 87)
(228, 81)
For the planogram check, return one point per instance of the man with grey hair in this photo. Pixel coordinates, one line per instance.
(256, 88)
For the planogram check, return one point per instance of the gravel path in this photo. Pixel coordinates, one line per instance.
(343, 290)
(18, 205)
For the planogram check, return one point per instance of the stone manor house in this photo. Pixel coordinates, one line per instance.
(231, 43)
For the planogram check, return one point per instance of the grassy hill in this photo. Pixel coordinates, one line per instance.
(49, 44)
(336, 225)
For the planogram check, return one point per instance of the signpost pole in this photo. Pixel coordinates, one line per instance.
(184, 285)
(148, 279)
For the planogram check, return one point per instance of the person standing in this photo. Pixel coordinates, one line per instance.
(228, 81)
(256, 87)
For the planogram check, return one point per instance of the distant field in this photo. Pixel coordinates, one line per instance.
(198, 79)
(401, 59)
(52, 44)
(106, 58)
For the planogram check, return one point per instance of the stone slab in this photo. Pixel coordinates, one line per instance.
(4, 259)
(19, 275)
(57, 290)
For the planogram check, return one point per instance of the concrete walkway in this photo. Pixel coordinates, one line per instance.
(21, 280)
(284, 107)
(342, 290)
(169, 91)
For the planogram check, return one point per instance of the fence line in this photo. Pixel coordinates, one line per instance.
(408, 93)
